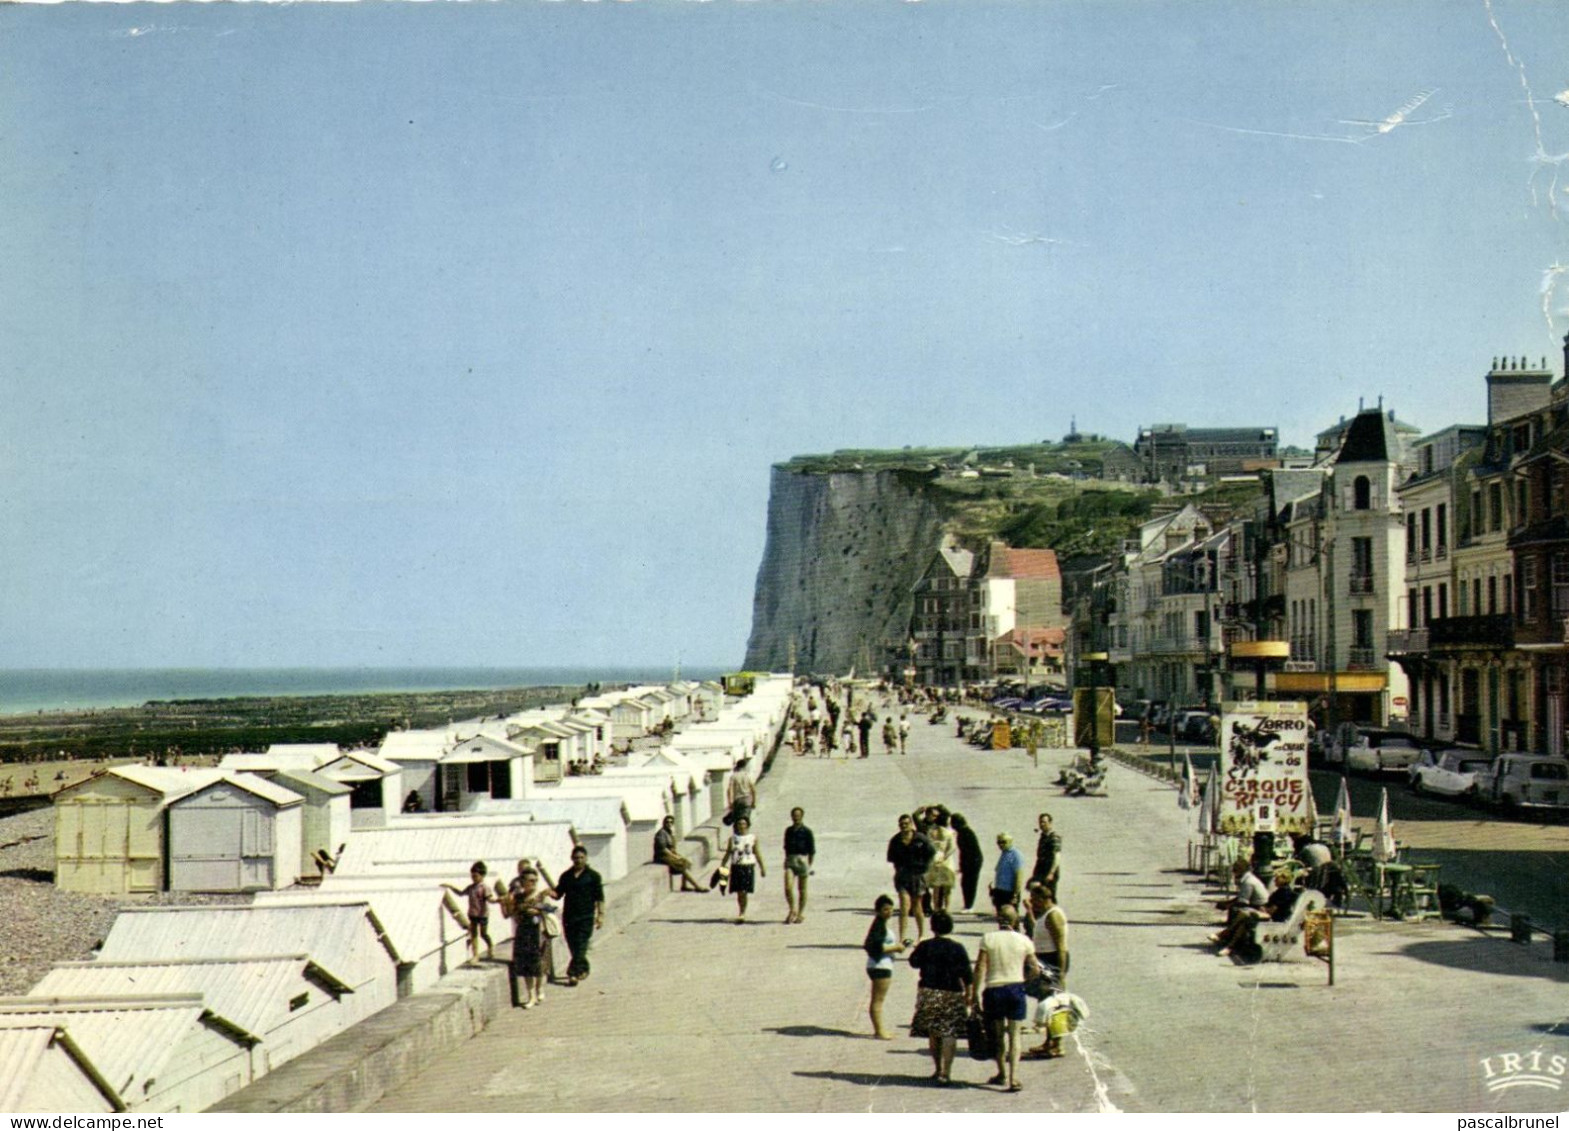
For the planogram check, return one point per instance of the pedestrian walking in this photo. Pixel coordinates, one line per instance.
(944, 997)
(1008, 875)
(745, 863)
(911, 854)
(741, 796)
(1005, 962)
(531, 908)
(890, 735)
(971, 858)
(864, 724)
(880, 946)
(904, 731)
(479, 900)
(1048, 853)
(800, 853)
(582, 894)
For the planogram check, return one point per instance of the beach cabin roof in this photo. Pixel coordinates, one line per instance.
(270, 792)
(591, 816)
(128, 1040)
(416, 844)
(674, 778)
(483, 748)
(358, 765)
(415, 745)
(665, 757)
(166, 781)
(650, 802)
(250, 994)
(24, 1051)
(410, 911)
(332, 936)
(310, 781)
(261, 763)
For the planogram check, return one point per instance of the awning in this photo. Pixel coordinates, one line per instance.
(1345, 683)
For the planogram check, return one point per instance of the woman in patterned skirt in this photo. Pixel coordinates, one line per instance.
(946, 993)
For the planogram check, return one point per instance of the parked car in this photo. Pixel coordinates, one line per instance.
(1372, 751)
(1449, 773)
(1537, 782)
(1193, 726)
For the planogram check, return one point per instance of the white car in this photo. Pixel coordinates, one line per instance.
(1381, 751)
(1452, 773)
(1527, 781)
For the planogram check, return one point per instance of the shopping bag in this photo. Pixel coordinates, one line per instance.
(978, 1035)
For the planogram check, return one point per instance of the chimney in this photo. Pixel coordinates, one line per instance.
(1513, 389)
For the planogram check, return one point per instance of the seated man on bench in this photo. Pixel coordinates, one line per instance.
(1244, 910)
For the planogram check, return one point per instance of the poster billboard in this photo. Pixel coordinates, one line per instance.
(1263, 768)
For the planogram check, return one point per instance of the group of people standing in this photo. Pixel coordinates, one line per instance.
(1026, 955)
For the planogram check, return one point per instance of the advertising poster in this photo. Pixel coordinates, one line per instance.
(1263, 768)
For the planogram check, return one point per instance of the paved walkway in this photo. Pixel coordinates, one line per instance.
(688, 1011)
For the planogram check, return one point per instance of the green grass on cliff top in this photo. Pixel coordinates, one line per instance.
(1063, 506)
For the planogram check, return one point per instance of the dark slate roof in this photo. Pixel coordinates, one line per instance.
(1370, 439)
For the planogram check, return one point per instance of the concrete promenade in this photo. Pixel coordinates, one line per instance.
(688, 1011)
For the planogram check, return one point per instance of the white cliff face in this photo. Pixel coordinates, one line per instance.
(843, 551)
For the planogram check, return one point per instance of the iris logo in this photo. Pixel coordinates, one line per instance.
(1524, 1070)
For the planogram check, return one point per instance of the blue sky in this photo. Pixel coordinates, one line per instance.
(466, 333)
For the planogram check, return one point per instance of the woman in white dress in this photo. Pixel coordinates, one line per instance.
(940, 875)
(743, 860)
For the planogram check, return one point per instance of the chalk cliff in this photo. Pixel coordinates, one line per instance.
(843, 550)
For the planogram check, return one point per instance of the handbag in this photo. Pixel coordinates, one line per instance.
(978, 1036)
(720, 881)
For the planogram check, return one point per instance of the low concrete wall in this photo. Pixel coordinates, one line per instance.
(356, 1068)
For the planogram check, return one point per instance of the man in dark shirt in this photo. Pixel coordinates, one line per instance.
(582, 895)
(800, 852)
(864, 725)
(665, 853)
(970, 858)
(1048, 854)
(911, 854)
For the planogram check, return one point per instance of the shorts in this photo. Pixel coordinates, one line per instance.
(1005, 1003)
(877, 973)
(911, 883)
(800, 865)
(743, 878)
(675, 862)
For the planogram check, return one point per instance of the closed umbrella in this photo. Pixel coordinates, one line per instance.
(1383, 831)
(1342, 833)
(1209, 801)
(1189, 785)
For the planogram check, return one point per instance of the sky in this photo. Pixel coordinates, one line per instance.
(466, 334)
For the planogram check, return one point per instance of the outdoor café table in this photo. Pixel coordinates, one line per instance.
(1395, 881)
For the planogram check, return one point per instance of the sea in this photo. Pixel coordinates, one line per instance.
(25, 691)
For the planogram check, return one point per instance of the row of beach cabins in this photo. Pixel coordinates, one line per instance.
(185, 1005)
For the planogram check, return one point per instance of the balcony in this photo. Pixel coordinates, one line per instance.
(1361, 659)
(1361, 583)
(1410, 641)
(1493, 631)
(1180, 644)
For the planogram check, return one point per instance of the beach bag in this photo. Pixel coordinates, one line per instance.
(720, 880)
(978, 1036)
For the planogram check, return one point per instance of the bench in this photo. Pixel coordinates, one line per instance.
(1278, 940)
